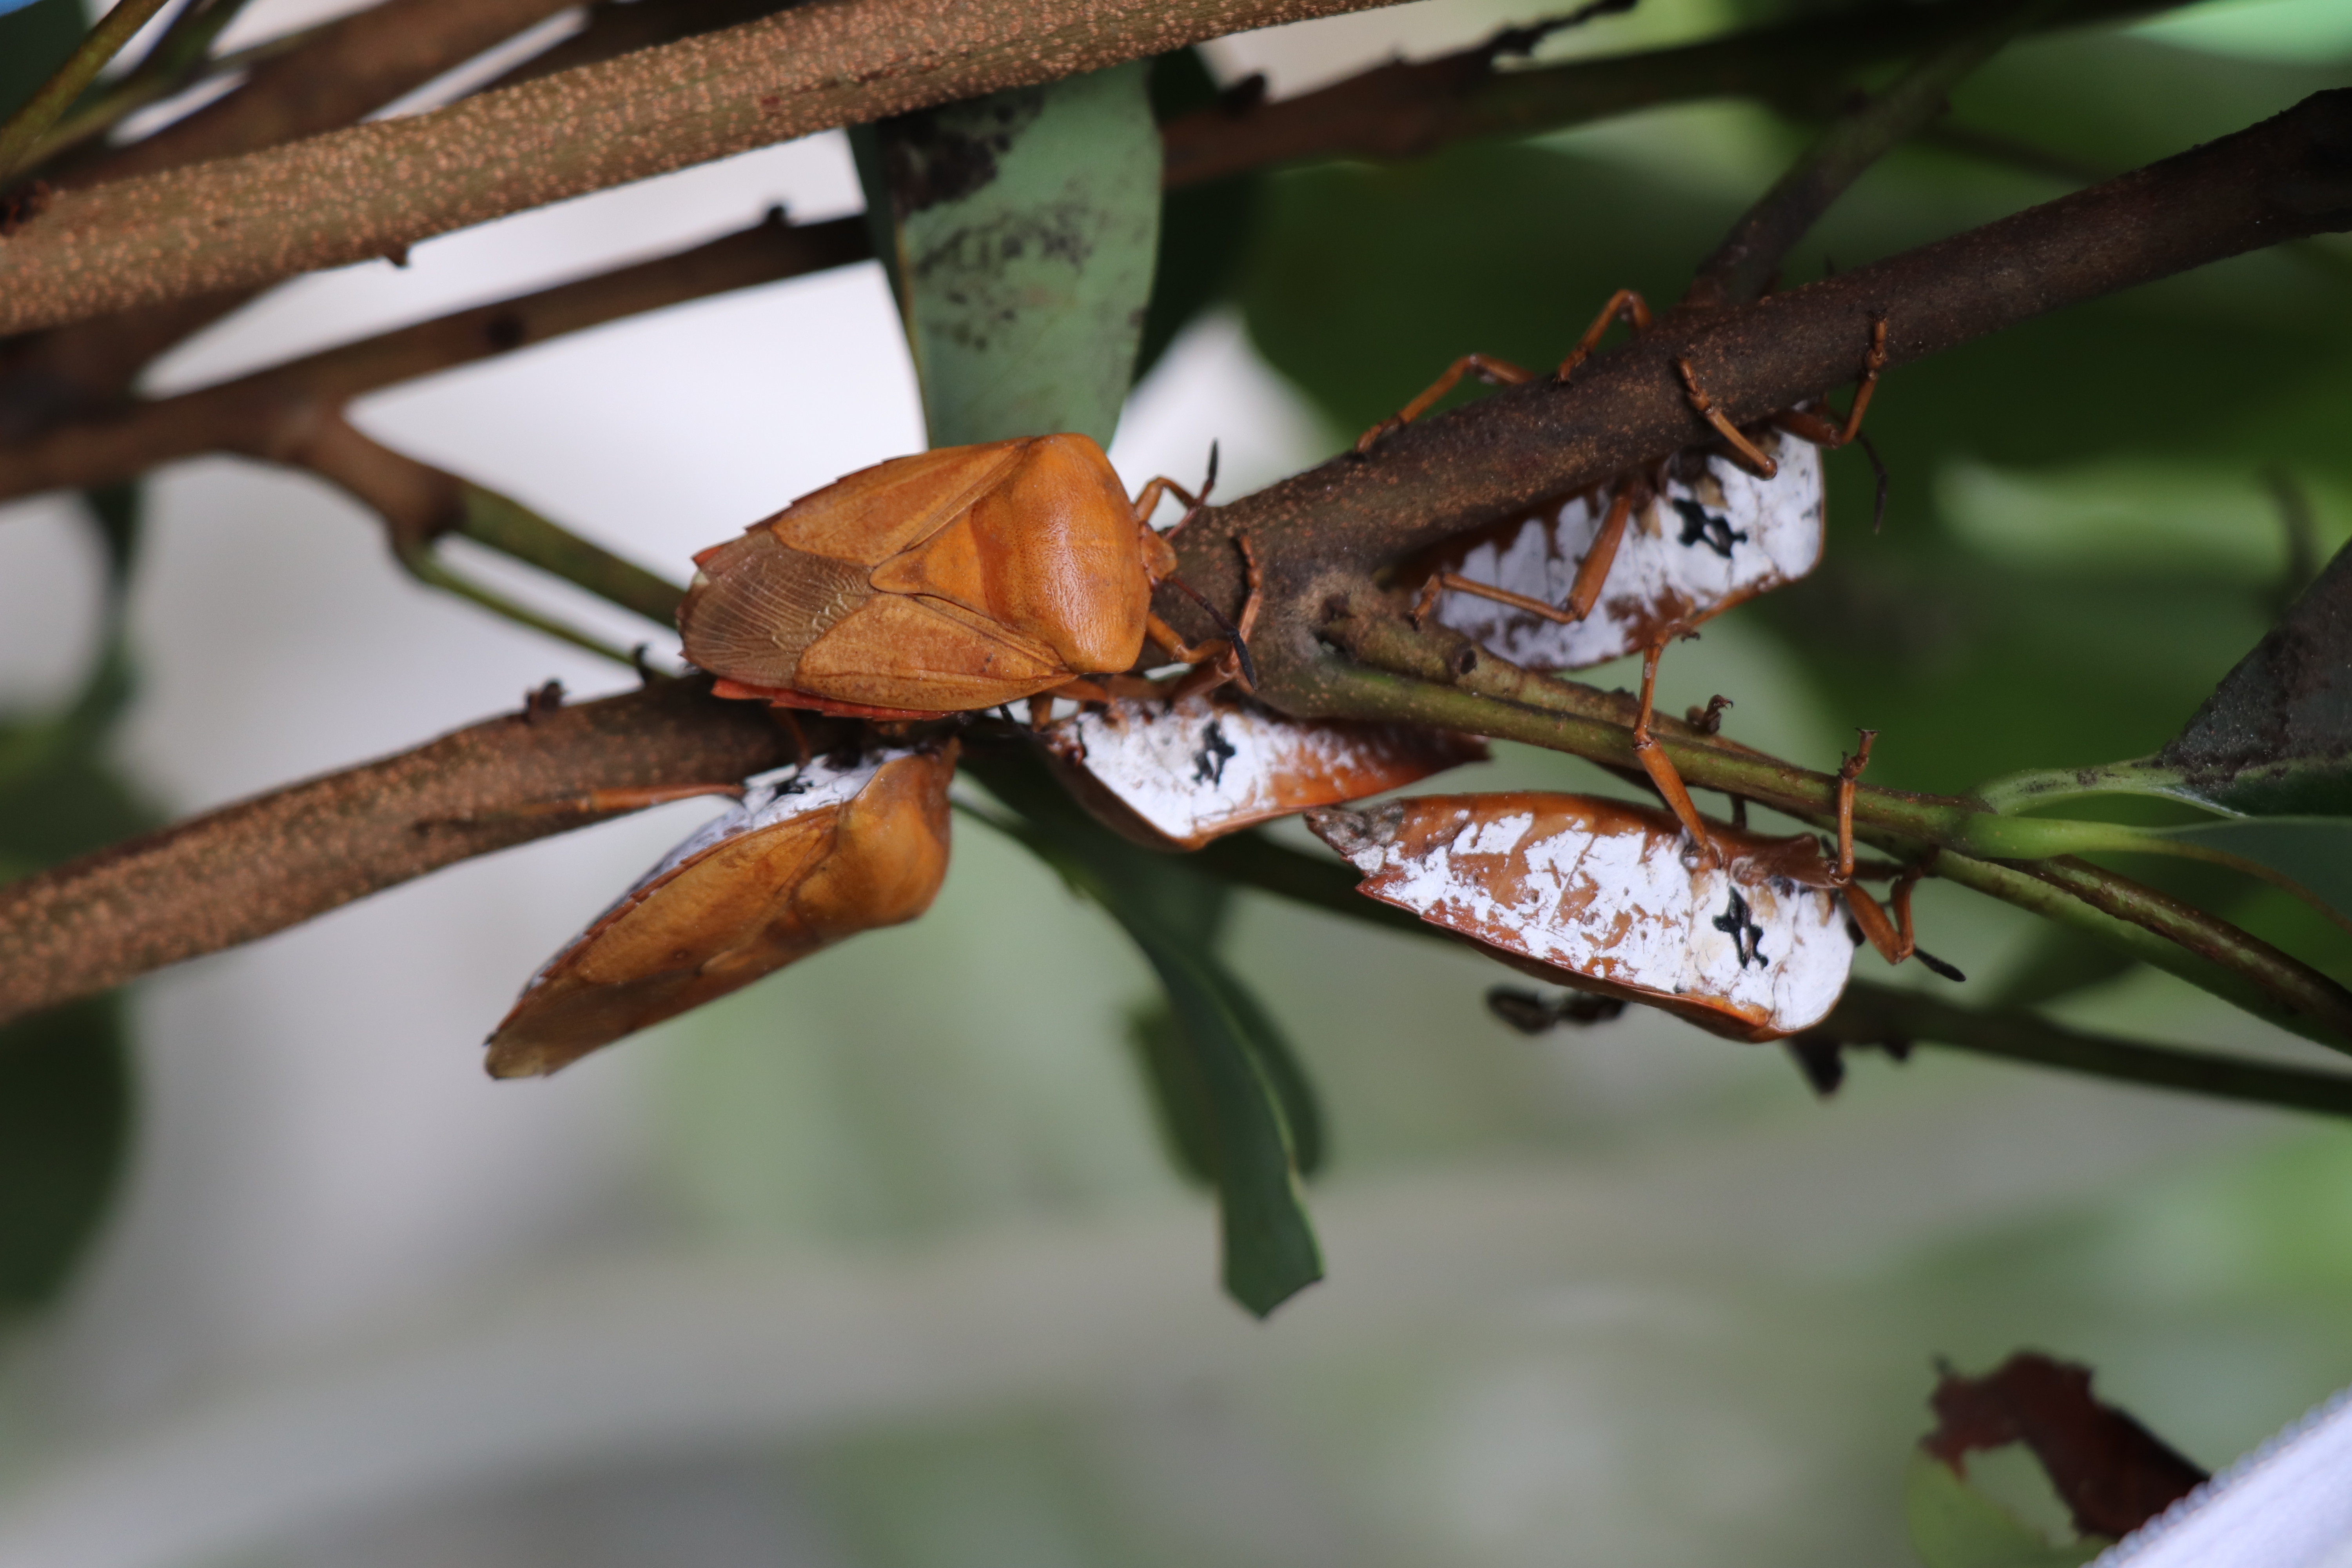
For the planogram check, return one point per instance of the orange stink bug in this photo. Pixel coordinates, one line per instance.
(813, 855)
(1176, 774)
(933, 584)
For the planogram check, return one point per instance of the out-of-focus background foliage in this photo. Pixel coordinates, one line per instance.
(881, 1263)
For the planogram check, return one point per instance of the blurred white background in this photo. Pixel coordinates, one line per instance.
(880, 1263)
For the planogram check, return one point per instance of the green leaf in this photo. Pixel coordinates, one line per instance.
(65, 1131)
(1270, 1249)
(1236, 1106)
(1023, 229)
(2275, 740)
(1180, 1097)
(64, 1079)
(1953, 1525)
(34, 42)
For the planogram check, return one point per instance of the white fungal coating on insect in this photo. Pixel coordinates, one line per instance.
(1213, 763)
(769, 800)
(1707, 542)
(1611, 893)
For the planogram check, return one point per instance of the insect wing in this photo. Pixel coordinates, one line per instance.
(875, 513)
(1606, 897)
(1707, 542)
(761, 600)
(1174, 776)
(812, 855)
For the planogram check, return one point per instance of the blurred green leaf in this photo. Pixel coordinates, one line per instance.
(1236, 1104)
(65, 1131)
(1953, 1525)
(65, 1075)
(2274, 742)
(34, 42)
(1023, 227)
(2063, 962)
(1205, 229)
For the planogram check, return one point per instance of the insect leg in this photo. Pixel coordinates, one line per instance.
(1625, 303)
(1655, 763)
(1704, 405)
(1849, 770)
(1165, 637)
(1582, 594)
(1810, 426)
(1147, 499)
(1593, 570)
(1485, 367)
(1461, 584)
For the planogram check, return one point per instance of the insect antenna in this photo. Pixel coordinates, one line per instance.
(1878, 466)
(1233, 633)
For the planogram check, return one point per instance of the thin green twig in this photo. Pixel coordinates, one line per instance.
(512, 528)
(177, 64)
(56, 95)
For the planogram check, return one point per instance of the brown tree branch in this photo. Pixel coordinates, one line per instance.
(350, 68)
(1744, 265)
(1409, 109)
(617, 28)
(1323, 532)
(375, 190)
(242, 872)
(1881, 1015)
(353, 68)
(240, 416)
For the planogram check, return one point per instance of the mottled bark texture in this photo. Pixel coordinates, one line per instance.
(273, 861)
(375, 190)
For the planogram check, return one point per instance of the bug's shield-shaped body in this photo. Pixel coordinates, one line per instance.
(1176, 775)
(813, 855)
(1609, 897)
(1715, 535)
(932, 583)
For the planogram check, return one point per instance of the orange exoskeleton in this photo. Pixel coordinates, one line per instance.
(812, 855)
(942, 582)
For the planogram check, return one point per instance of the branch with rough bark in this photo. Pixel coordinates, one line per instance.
(242, 415)
(350, 68)
(375, 190)
(1409, 109)
(239, 873)
(1329, 642)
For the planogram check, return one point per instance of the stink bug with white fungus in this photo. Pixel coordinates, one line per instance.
(811, 856)
(1177, 775)
(1610, 898)
(1764, 494)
